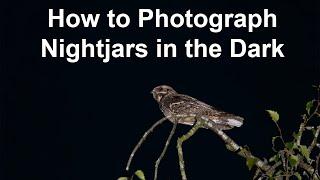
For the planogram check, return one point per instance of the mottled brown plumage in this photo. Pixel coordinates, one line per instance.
(183, 109)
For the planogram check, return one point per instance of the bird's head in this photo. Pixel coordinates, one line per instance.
(161, 91)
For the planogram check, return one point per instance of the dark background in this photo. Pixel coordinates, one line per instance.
(81, 121)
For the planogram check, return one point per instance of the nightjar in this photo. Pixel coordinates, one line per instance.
(183, 109)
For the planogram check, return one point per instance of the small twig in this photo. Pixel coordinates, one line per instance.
(180, 141)
(315, 112)
(316, 170)
(301, 129)
(317, 162)
(309, 169)
(256, 174)
(143, 138)
(280, 133)
(164, 150)
(273, 168)
(306, 119)
(243, 152)
(279, 177)
(287, 166)
(314, 141)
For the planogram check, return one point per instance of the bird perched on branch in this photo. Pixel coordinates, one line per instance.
(184, 109)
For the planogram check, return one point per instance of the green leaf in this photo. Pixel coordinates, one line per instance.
(279, 172)
(274, 158)
(123, 178)
(251, 162)
(140, 174)
(291, 145)
(295, 135)
(298, 176)
(293, 160)
(274, 115)
(305, 152)
(309, 105)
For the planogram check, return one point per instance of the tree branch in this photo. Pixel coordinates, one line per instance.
(180, 141)
(264, 166)
(314, 141)
(309, 169)
(143, 138)
(164, 150)
(301, 129)
(243, 152)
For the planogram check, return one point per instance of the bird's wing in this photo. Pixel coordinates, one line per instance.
(183, 104)
(186, 105)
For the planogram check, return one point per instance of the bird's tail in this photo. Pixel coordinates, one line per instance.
(225, 122)
(235, 121)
